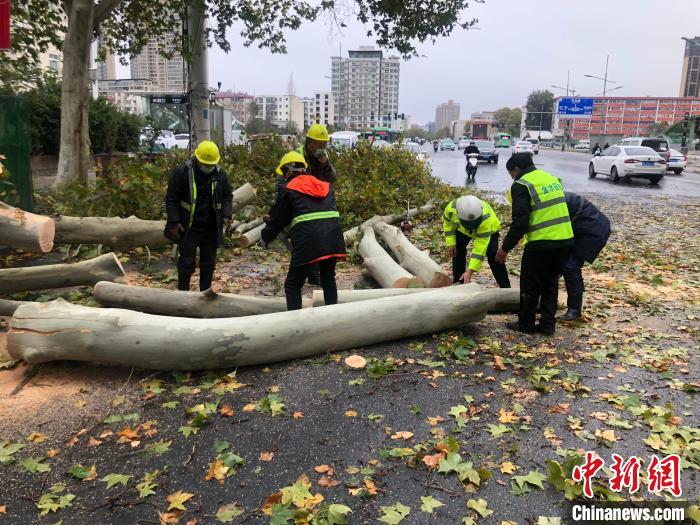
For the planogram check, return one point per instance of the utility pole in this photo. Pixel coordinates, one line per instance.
(199, 75)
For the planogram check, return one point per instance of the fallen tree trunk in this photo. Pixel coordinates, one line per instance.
(251, 237)
(129, 232)
(41, 332)
(508, 300)
(25, 231)
(247, 226)
(351, 234)
(8, 307)
(85, 273)
(382, 267)
(414, 260)
(207, 304)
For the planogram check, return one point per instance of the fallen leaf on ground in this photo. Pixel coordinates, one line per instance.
(36, 437)
(350, 413)
(298, 415)
(250, 407)
(508, 467)
(226, 410)
(92, 442)
(177, 500)
(327, 482)
(267, 456)
(404, 434)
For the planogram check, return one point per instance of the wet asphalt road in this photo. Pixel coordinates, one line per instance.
(571, 167)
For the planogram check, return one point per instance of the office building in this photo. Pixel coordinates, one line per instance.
(365, 88)
(445, 114)
(690, 79)
(626, 116)
(429, 127)
(285, 112)
(168, 74)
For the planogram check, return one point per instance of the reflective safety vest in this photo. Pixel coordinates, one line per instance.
(190, 206)
(482, 235)
(549, 218)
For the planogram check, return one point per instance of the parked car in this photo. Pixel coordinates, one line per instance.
(417, 150)
(344, 139)
(447, 144)
(523, 146)
(677, 162)
(487, 151)
(535, 145)
(379, 143)
(658, 144)
(182, 141)
(463, 142)
(628, 162)
(585, 146)
(166, 138)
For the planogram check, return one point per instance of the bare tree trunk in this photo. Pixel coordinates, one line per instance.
(207, 304)
(41, 332)
(112, 231)
(414, 260)
(25, 231)
(84, 273)
(8, 307)
(74, 157)
(351, 234)
(382, 267)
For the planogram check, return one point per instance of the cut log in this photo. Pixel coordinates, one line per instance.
(383, 269)
(351, 234)
(129, 232)
(85, 273)
(414, 260)
(25, 231)
(8, 307)
(207, 304)
(509, 299)
(247, 226)
(251, 237)
(41, 332)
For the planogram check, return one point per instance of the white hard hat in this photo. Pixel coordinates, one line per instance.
(469, 208)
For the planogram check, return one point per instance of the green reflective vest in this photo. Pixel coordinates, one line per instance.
(190, 206)
(482, 235)
(549, 218)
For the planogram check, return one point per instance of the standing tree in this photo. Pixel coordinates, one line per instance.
(127, 25)
(508, 120)
(540, 104)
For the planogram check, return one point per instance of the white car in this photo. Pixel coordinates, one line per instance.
(582, 146)
(628, 162)
(677, 162)
(166, 138)
(523, 146)
(379, 143)
(463, 142)
(417, 150)
(535, 145)
(182, 141)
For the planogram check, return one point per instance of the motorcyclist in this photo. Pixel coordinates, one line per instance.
(471, 174)
(435, 144)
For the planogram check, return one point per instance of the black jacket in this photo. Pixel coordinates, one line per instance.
(471, 149)
(210, 208)
(312, 240)
(591, 227)
(521, 209)
(325, 172)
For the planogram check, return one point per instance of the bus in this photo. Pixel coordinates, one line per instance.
(502, 140)
(382, 133)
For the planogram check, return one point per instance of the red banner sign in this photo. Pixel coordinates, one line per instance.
(4, 24)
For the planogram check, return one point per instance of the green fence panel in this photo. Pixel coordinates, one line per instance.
(15, 145)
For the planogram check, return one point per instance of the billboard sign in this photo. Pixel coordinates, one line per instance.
(570, 107)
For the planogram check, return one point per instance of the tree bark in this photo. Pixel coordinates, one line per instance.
(351, 234)
(25, 231)
(508, 300)
(85, 273)
(251, 237)
(8, 307)
(382, 267)
(74, 156)
(41, 332)
(414, 260)
(247, 226)
(112, 231)
(207, 304)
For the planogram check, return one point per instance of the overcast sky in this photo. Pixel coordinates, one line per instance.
(518, 46)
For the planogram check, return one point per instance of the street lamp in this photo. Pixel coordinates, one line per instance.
(604, 79)
(609, 90)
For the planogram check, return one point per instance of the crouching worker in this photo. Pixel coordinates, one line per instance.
(470, 218)
(306, 206)
(199, 204)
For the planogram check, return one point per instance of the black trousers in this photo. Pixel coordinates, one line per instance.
(539, 284)
(207, 242)
(297, 276)
(573, 278)
(459, 263)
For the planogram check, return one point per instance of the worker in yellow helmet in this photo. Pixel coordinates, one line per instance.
(315, 154)
(199, 204)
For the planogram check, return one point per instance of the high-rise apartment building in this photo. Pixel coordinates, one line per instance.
(319, 109)
(365, 88)
(168, 74)
(238, 103)
(282, 111)
(690, 80)
(445, 114)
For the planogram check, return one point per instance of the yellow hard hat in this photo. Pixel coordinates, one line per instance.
(290, 158)
(318, 132)
(207, 152)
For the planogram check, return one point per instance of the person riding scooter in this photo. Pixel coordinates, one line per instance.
(471, 152)
(435, 145)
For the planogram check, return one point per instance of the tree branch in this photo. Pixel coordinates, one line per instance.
(103, 10)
